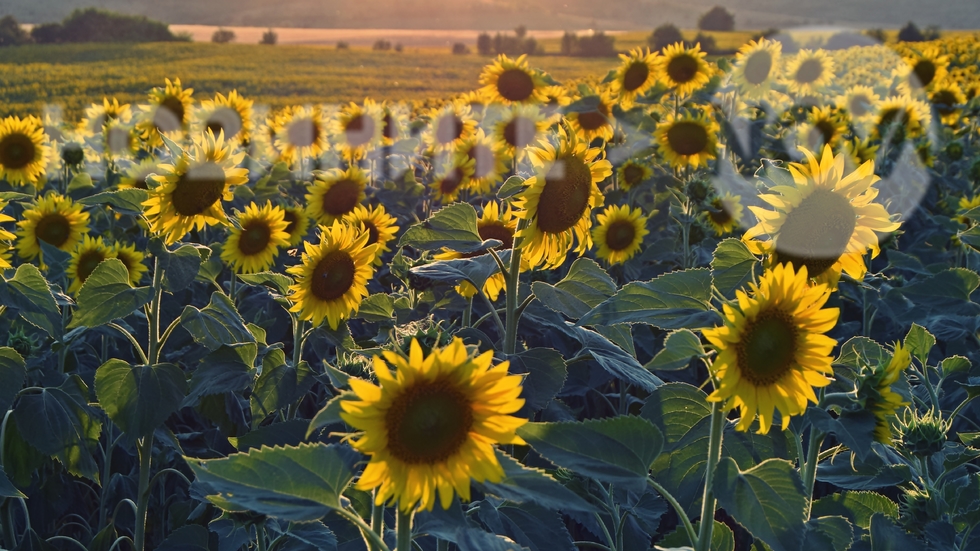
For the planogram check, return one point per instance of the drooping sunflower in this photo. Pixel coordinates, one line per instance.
(23, 151)
(519, 127)
(358, 129)
(876, 394)
(451, 178)
(54, 219)
(332, 279)
(636, 74)
(380, 225)
(825, 222)
(725, 213)
(87, 256)
(684, 69)
(167, 114)
(947, 98)
(231, 114)
(98, 115)
(489, 162)
(687, 140)
(449, 126)
(494, 223)
(188, 193)
(297, 223)
(508, 81)
(772, 348)
(5, 238)
(756, 67)
(300, 133)
(432, 423)
(633, 173)
(808, 72)
(558, 199)
(620, 233)
(823, 126)
(335, 193)
(135, 176)
(131, 259)
(252, 247)
(597, 122)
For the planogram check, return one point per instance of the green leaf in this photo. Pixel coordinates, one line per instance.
(59, 423)
(617, 450)
(191, 537)
(139, 399)
(853, 474)
(956, 364)
(614, 359)
(299, 484)
(453, 227)
(279, 385)
(230, 368)
(275, 280)
(376, 308)
(583, 288)
(13, 370)
(532, 526)
(855, 429)
(511, 187)
(330, 413)
(29, 295)
(722, 538)
(7, 488)
(828, 534)
(858, 352)
(107, 295)
(672, 301)
(733, 266)
(181, 268)
(546, 373)
(675, 408)
(475, 270)
(680, 347)
(315, 535)
(767, 499)
(124, 201)
(886, 536)
(523, 484)
(286, 433)
(217, 324)
(80, 181)
(919, 341)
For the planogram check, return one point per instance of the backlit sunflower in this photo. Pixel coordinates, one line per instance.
(823, 126)
(335, 193)
(300, 133)
(860, 151)
(357, 129)
(451, 178)
(684, 70)
(597, 122)
(756, 67)
(297, 223)
(188, 193)
(23, 151)
(635, 75)
(922, 70)
(859, 103)
(725, 213)
(808, 72)
(687, 139)
(394, 123)
(901, 118)
(876, 394)
(252, 247)
(508, 81)
(231, 114)
(119, 140)
(494, 223)
(947, 98)
(135, 176)
(558, 199)
(489, 162)
(519, 127)
(167, 114)
(380, 225)
(432, 423)
(633, 173)
(56, 220)
(555, 97)
(5, 238)
(620, 233)
(772, 348)
(332, 279)
(87, 256)
(825, 222)
(132, 260)
(449, 126)
(98, 115)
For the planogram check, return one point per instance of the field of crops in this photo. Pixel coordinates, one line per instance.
(660, 302)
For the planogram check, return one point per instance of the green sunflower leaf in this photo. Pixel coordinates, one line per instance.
(107, 295)
(853, 474)
(919, 341)
(886, 536)
(218, 323)
(733, 266)
(453, 227)
(191, 537)
(7, 488)
(855, 429)
(546, 373)
(672, 301)
(378, 308)
(675, 408)
(28, 294)
(511, 187)
(680, 347)
(722, 538)
(124, 201)
(523, 484)
(828, 534)
(329, 414)
(767, 499)
(279, 385)
(856, 507)
(279, 282)
(139, 398)
(13, 370)
(230, 368)
(475, 270)
(583, 288)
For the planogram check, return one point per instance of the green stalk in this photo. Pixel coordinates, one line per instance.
(714, 456)
(153, 350)
(513, 280)
(468, 313)
(810, 468)
(403, 527)
(145, 448)
(260, 537)
(377, 521)
(688, 527)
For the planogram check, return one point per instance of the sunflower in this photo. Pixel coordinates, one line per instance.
(231, 114)
(901, 118)
(119, 140)
(5, 237)
(88, 254)
(558, 199)
(636, 74)
(23, 151)
(188, 193)
(380, 225)
(489, 162)
(300, 133)
(687, 140)
(620, 233)
(633, 173)
(98, 115)
(332, 279)
(451, 178)
(823, 126)
(394, 124)
(335, 193)
(756, 65)
(825, 222)
(54, 219)
(555, 97)
(449, 126)
(684, 69)
(947, 98)
(876, 394)
(808, 72)
(596, 123)
(432, 423)
(358, 129)
(494, 223)
(772, 348)
(132, 260)
(859, 103)
(860, 151)
(519, 127)
(725, 213)
(297, 223)
(510, 81)
(167, 114)
(252, 245)
(135, 176)
(922, 70)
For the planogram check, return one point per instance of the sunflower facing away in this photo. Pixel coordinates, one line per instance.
(684, 69)
(557, 201)
(876, 394)
(772, 348)
(56, 220)
(380, 225)
(494, 223)
(636, 74)
(231, 114)
(432, 423)
(332, 279)
(23, 151)
(297, 223)
(620, 233)
(808, 72)
(167, 114)
(335, 193)
(687, 140)
(252, 247)
(825, 222)
(132, 260)
(510, 81)
(188, 193)
(725, 213)
(87, 256)
(756, 65)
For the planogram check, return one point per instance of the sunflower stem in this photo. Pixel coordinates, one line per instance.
(681, 513)
(468, 314)
(260, 537)
(442, 545)
(513, 282)
(145, 449)
(403, 527)
(366, 531)
(714, 456)
(810, 468)
(377, 521)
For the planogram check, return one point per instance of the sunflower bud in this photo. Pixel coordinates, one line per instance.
(954, 150)
(21, 342)
(876, 395)
(924, 435)
(917, 508)
(72, 154)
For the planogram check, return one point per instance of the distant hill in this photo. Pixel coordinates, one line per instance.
(506, 14)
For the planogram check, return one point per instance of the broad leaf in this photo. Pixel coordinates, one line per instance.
(672, 301)
(476, 270)
(583, 288)
(227, 369)
(12, 374)
(191, 537)
(7, 488)
(828, 534)
(139, 399)
(523, 484)
(279, 385)
(181, 267)
(722, 538)
(855, 429)
(853, 474)
(107, 295)
(680, 347)
(453, 227)
(546, 373)
(886, 536)
(919, 342)
(614, 359)
(124, 201)
(511, 187)
(733, 266)
(675, 408)
(376, 308)
(28, 294)
(216, 324)
(279, 282)
(767, 499)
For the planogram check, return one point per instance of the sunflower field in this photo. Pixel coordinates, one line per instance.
(691, 304)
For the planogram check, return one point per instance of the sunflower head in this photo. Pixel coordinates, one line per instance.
(922, 435)
(824, 126)
(300, 133)
(725, 213)
(687, 139)
(87, 256)
(358, 129)
(489, 161)
(452, 178)
(24, 152)
(449, 126)
(684, 69)
(137, 174)
(756, 66)
(507, 81)
(947, 98)
(596, 122)
(808, 72)
(98, 115)
(231, 115)
(494, 223)
(252, 245)
(431, 424)
(335, 193)
(54, 219)
(519, 127)
(167, 114)
(132, 260)
(297, 223)
(380, 226)
(636, 74)
(876, 395)
(620, 233)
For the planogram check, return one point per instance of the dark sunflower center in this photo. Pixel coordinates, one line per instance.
(718, 213)
(72, 153)
(594, 120)
(139, 181)
(87, 263)
(519, 132)
(484, 158)
(291, 221)
(449, 128)
(333, 276)
(428, 422)
(859, 106)
(341, 198)
(809, 71)
(16, 151)
(170, 116)
(373, 233)
(620, 235)
(827, 130)
(54, 229)
(945, 102)
(635, 76)
(303, 132)
(494, 230)
(632, 175)
(515, 85)
(126, 260)
(767, 348)
(683, 68)
(359, 130)
(255, 238)
(925, 71)
(226, 119)
(687, 138)
(451, 181)
(389, 131)
(565, 197)
(198, 189)
(757, 67)
(815, 233)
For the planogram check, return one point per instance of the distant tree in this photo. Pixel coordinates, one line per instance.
(399, 47)
(381, 45)
(95, 25)
(598, 44)
(932, 32)
(11, 33)
(341, 45)
(269, 37)
(223, 36)
(877, 34)
(910, 33)
(47, 33)
(717, 19)
(521, 32)
(663, 36)
(484, 44)
(847, 39)
(569, 41)
(707, 43)
(460, 49)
